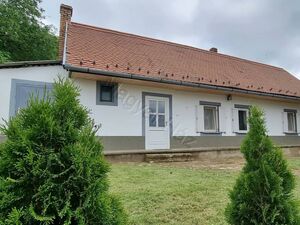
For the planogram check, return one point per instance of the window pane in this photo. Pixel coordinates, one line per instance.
(152, 106)
(161, 120)
(210, 118)
(24, 92)
(106, 94)
(291, 121)
(152, 120)
(161, 107)
(242, 120)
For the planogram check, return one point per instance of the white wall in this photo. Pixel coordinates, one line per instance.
(43, 74)
(126, 118)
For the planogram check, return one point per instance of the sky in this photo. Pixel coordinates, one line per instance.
(266, 31)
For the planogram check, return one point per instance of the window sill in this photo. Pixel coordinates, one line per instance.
(107, 103)
(211, 133)
(291, 133)
(241, 132)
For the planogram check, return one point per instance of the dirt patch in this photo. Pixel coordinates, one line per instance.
(225, 164)
(297, 172)
(235, 164)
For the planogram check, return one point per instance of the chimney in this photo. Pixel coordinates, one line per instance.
(65, 18)
(213, 50)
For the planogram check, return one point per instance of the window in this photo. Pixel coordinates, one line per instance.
(240, 114)
(107, 94)
(242, 117)
(211, 120)
(22, 90)
(207, 118)
(291, 122)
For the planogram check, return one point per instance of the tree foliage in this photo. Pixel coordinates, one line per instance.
(23, 36)
(52, 170)
(262, 194)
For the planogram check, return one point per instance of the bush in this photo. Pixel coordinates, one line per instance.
(262, 194)
(52, 170)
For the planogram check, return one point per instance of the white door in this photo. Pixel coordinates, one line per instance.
(157, 128)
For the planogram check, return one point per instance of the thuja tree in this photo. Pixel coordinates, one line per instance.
(52, 169)
(262, 194)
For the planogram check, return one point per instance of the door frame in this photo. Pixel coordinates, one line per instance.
(144, 94)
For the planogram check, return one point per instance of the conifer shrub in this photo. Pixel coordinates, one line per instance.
(262, 194)
(52, 170)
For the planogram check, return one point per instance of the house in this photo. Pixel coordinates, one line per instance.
(149, 94)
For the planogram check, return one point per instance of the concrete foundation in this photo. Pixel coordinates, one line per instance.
(131, 149)
(204, 154)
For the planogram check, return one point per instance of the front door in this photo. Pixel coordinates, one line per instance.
(157, 122)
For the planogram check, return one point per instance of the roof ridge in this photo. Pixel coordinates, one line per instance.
(176, 44)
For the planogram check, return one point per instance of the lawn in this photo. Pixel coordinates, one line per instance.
(178, 193)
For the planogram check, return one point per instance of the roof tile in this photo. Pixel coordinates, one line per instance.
(109, 50)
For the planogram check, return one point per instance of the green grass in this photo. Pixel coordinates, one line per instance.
(168, 194)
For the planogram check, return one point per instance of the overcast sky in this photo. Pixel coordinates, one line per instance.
(267, 31)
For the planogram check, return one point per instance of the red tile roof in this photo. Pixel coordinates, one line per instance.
(108, 50)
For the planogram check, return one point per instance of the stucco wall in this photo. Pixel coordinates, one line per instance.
(43, 74)
(126, 118)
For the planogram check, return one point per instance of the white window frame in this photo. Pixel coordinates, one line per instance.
(294, 113)
(235, 118)
(238, 120)
(216, 108)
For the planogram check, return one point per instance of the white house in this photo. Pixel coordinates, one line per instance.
(150, 94)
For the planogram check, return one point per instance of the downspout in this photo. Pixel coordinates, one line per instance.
(65, 45)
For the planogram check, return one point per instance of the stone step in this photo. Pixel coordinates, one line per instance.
(169, 157)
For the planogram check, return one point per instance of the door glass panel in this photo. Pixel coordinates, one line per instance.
(161, 120)
(152, 120)
(242, 120)
(152, 106)
(161, 107)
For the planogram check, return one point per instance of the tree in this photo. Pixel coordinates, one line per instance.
(262, 194)
(52, 170)
(23, 36)
(4, 57)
